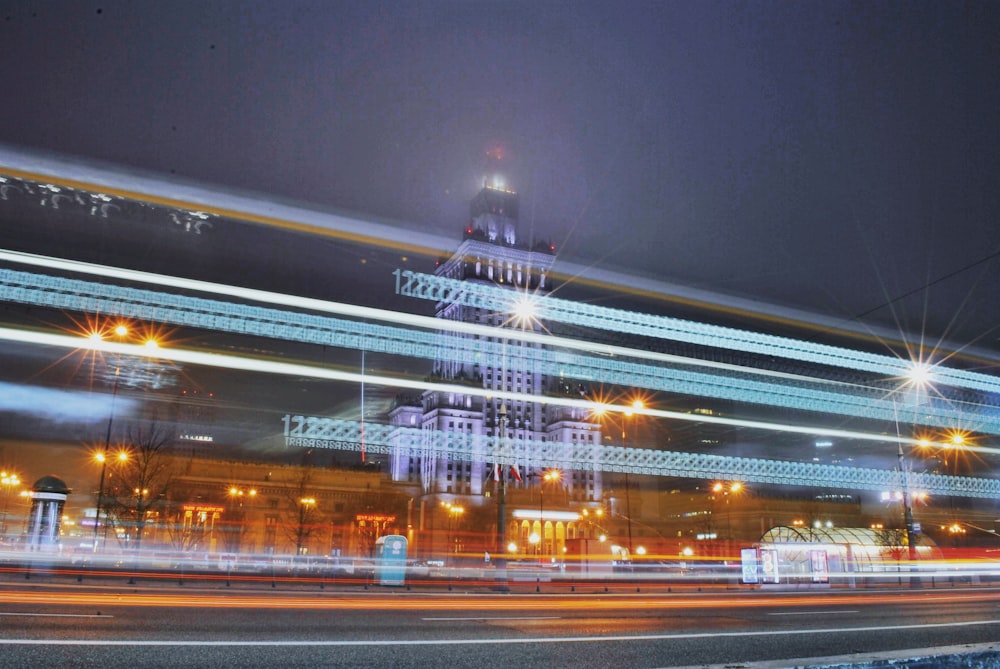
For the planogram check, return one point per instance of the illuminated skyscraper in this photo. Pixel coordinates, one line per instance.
(492, 252)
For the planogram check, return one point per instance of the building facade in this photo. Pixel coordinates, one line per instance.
(493, 252)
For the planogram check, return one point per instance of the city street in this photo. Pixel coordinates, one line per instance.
(162, 625)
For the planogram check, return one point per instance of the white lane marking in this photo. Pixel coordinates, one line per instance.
(55, 615)
(811, 613)
(480, 642)
(498, 618)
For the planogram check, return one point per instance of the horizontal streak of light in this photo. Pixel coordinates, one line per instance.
(293, 369)
(259, 210)
(246, 319)
(468, 618)
(152, 190)
(263, 210)
(846, 401)
(519, 603)
(627, 638)
(550, 308)
(15, 614)
(813, 613)
(384, 315)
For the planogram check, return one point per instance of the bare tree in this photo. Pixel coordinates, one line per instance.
(143, 479)
(302, 506)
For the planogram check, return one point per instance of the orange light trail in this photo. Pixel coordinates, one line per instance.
(425, 602)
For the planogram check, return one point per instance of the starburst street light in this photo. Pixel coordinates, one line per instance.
(102, 457)
(601, 410)
(98, 336)
(919, 377)
(551, 476)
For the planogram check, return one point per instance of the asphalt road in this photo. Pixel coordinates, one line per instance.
(58, 624)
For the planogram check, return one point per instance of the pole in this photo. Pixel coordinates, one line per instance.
(911, 548)
(501, 547)
(104, 460)
(628, 500)
(541, 518)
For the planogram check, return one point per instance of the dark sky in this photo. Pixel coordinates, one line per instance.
(830, 155)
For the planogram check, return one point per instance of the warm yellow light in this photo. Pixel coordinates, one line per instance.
(234, 491)
(152, 343)
(99, 457)
(603, 537)
(736, 486)
(121, 330)
(511, 547)
(637, 405)
(640, 550)
(253, 492)
(553, 475)
(122, 456)
(957, 439)
(718, 487)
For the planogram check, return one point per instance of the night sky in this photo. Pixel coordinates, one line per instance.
(834, 156)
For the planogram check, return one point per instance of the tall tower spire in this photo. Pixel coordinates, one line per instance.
(493, 211)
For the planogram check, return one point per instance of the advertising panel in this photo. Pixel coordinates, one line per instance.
(750, 564)
(819, 567)
(769, 565)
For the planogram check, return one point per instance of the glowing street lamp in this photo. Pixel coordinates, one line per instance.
(637, 405)
(120, 331)
(102, 457)
(454, 513)
(548, 477)
(305, 505)
(728, 492)
(919, 376)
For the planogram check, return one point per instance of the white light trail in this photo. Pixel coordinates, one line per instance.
(58, 405)
(303, 370)
(384, 315)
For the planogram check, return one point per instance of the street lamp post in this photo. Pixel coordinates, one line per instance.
(727, 493)
(907, 509)
(918, 376)
(305, 504)
(454, 511)
(636, 404)
(501, 543)
(120, 332)
(102, 457)
(549, 476)
(236, 497)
